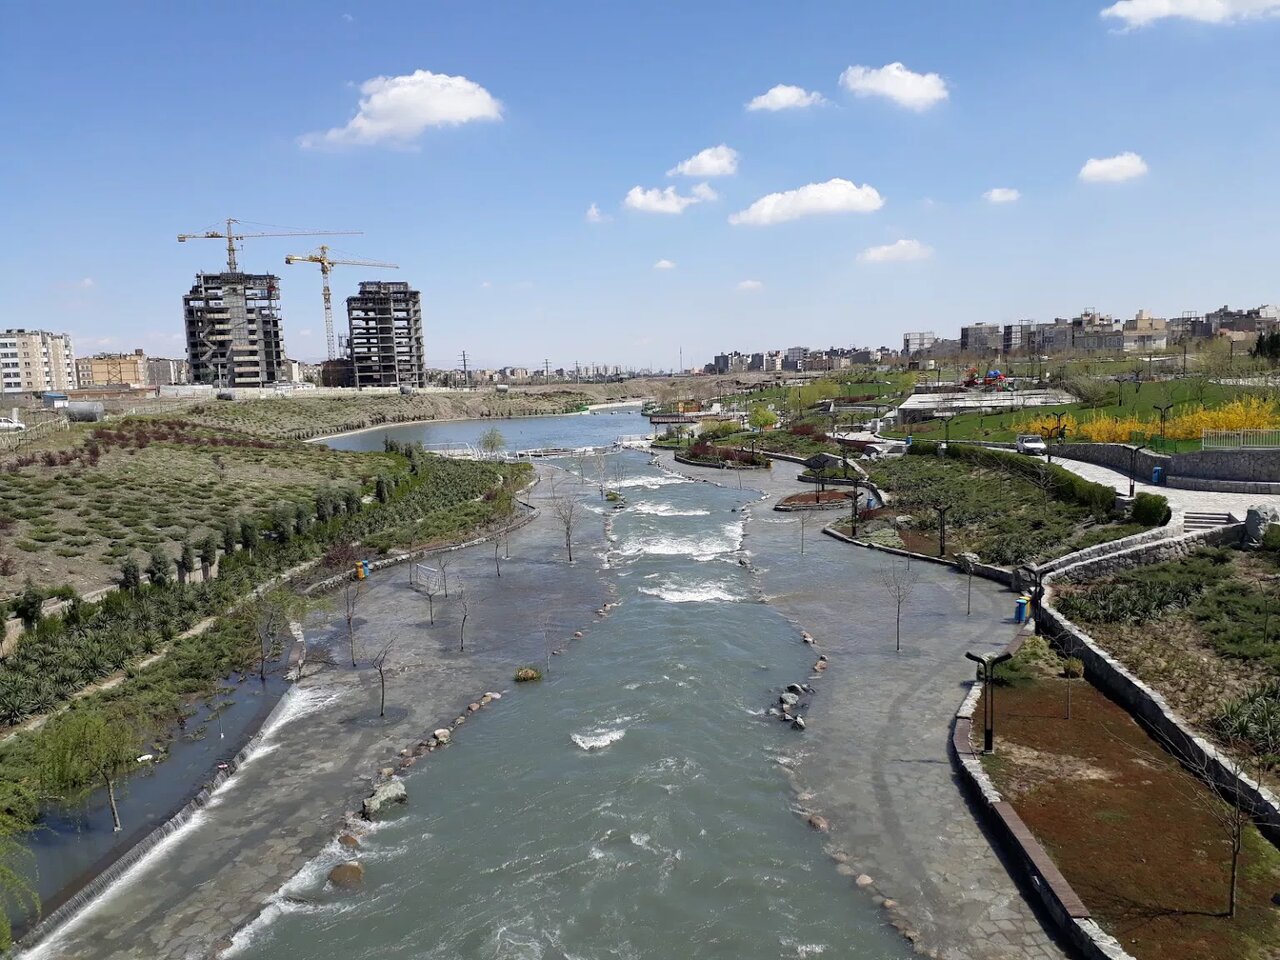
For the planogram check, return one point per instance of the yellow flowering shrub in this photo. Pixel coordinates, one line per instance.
(1243, 413)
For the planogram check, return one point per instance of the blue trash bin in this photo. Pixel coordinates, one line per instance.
(1157, 475)
(1020, 610)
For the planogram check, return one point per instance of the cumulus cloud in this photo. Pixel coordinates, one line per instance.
(718, 161)
(595, 215)
(834, 196)
(666, 200)
(897, 251)
(915, 91)
(784, 96)
(664, 265)
(85, 283)
(397, 110)
(1123, 166)
(1140, 13)
(1001, 195)
(750, 285)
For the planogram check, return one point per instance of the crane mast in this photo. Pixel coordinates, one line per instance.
(231, 237)
(327, 263)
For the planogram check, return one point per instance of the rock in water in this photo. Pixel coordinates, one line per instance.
(789, 699)
(347, 875)
(795, 688)
(347, 840)
(798, 723)
(442, 735)
(819, 823)
(392, 791)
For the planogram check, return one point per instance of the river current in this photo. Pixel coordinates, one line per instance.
(637, 802)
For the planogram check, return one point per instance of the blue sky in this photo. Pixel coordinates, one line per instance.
(127, 124)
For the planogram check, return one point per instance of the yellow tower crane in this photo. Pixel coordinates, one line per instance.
(327, 263)
(231, 237)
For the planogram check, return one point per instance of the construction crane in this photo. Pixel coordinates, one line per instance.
(231, 237)
(327, 263)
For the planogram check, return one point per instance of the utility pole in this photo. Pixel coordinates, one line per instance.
(546, 369)
(466, 377)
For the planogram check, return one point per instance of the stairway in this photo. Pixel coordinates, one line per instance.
(1205, 521)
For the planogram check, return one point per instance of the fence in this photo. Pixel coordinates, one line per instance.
(16, 439)
(1241, 439)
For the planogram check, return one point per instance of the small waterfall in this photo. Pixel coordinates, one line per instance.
(135, 854)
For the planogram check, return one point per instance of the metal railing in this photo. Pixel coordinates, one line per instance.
(1240, 439)
(16, 439)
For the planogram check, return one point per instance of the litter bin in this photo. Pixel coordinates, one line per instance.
(1157, 475)
(1020, 609)
(360, 570)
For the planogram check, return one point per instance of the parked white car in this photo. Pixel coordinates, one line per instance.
(1031, 443)
(9, 424)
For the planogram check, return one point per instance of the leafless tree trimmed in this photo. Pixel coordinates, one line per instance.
(379, 662)
(351, 592)
(899, 582)
(443, 561)
(803, 517)
(497, 559)
(465, 603)
(567, 512)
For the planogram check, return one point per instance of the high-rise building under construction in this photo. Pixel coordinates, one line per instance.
(385, 343)
(233, 329)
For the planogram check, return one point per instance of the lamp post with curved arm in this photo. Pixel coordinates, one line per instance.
(986, 673)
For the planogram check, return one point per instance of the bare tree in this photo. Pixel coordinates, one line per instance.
(379, 662)
(270, 616)
(899, 582)
(546, 640)
(497, 560)
(444, 561)
(803, 517)
(465, 603)
(567, 511)
(351, 592)
(429, 587)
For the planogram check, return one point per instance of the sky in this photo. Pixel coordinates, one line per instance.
(608, 182)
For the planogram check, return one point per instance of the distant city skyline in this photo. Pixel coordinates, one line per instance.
(612, 188)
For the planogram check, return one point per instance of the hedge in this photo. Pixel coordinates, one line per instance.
(1151, 509)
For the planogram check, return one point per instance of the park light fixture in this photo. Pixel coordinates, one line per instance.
(986, 673)
(1133, 465)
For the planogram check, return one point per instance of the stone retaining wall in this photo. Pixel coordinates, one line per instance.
(718, 466)
(1223, 470)
(1146, 705)
(1173, 528)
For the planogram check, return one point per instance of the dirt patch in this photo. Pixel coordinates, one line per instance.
(1130, 830)
(825, 497)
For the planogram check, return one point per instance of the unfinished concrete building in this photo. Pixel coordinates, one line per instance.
(385, 343)
(233, 329)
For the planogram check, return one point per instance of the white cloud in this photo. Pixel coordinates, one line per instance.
(485, 284)
(666, 200)
(750, 285)
(664, 265)
(1001, 195)
(718, 161)
(1123, 166)
(1140, 13)
(785, 97)
(396, 110)
(595, 215)
(916, 91)
(834, 196)
(898, 251)
(348, 17)
(85, 283)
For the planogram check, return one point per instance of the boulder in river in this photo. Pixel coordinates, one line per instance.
(795, 688)
(384, 795)
(819, 823)
(798, 723)
(347, 875)
(348, 840)
(788, 699)
(442, 735)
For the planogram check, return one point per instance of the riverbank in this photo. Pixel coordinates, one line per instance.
(277, 814)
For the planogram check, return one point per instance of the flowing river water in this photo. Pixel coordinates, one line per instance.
(637, 802)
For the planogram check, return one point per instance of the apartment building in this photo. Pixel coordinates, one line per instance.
(114, 369)
(234, 336)
(385, 321)
(35, 360)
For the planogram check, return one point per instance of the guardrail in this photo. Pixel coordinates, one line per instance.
(1240, 439)
(15, 439)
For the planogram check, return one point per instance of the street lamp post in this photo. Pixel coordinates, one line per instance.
(986, 673)
(1133, 465)
(1164, 409)
(853, 511)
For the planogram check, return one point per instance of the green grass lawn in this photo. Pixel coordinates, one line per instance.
(1127, 399)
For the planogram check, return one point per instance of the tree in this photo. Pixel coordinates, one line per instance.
(186, 563)
(83, 745)
(492, 442)
(15, 888)
(383, 488)
(130, 575)
(899, 582)
(208, 555)
(1072, 668)
(248, 534)
(230, 535)
(566, 511)
(803, 517)
(160, 568)
(270, 616)
(379, 662)
(497, 561)
(30, 606)
(465, 604)
(351, 591)
(444, 561)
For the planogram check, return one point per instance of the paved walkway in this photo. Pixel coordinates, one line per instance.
(876, 761)
(1195, 501)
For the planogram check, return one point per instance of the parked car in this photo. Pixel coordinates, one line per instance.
(8, 424)
(1031, 443)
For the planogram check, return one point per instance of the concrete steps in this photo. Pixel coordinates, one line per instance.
(1204, 521)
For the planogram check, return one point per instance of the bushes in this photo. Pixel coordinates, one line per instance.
(1147, 593)
(1151, 510)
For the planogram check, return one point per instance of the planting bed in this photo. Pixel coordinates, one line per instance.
(1131, 831)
